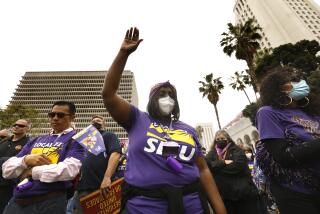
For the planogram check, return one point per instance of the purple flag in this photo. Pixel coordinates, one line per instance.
(91, 139)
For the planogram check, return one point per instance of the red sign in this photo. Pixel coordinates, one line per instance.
(96, 203)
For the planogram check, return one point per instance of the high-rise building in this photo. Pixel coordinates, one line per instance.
(41, 89)
(282, 21)
(207, 135)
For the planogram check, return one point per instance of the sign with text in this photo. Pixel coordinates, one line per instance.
(96, 203)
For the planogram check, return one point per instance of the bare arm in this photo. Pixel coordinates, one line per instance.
(119, 108)
(210, 187)
(111, 168)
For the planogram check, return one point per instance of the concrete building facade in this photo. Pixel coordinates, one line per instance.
(242, 131)
(282, 21)
(41, 89)
(207, 134)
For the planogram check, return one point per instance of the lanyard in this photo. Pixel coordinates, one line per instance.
(222, 153)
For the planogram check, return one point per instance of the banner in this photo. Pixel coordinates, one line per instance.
(91, 139)
(96, 203)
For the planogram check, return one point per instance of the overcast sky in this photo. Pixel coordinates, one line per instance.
(181, 44)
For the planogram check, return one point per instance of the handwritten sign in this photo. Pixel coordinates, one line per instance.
(96, 203)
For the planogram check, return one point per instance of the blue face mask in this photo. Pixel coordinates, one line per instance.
(299, 90)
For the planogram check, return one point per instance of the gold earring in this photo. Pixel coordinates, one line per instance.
(286, 104)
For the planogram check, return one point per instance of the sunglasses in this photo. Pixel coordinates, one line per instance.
(59, 114)
(19, 125)
(3, 137)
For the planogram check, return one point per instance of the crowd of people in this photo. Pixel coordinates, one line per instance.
(165, 168)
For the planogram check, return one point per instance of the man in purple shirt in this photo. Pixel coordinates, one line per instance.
(46, 166)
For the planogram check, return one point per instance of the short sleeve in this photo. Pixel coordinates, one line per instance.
(268, 123)
(112, 142)
(134, 114)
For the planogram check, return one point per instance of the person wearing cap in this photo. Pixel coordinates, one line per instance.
(165, 166)
(10, 147)
(46, 166)
(97, 171)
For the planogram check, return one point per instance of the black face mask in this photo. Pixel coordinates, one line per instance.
(221, 143)
(97, 125)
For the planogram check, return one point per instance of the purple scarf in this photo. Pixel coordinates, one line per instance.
(222, 152)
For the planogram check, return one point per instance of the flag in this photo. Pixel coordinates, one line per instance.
(91, 139)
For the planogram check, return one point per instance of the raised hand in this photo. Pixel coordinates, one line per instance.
(131, 41)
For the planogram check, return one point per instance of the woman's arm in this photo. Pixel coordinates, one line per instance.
(238, 164)
(210, 187)
(289, 156)
(213, 162)
(118, 107)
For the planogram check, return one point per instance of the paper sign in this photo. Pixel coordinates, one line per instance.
(96, 203)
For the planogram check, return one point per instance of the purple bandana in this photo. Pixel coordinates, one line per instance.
(157, 86)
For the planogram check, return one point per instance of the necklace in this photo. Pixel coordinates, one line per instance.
(166, 130)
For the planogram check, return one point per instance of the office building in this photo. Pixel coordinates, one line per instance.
(41, 89)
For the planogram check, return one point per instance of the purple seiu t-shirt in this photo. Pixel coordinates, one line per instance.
(57, 149)
(296, 127)
(146, 166)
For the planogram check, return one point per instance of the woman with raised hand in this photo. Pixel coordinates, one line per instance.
(165, 166)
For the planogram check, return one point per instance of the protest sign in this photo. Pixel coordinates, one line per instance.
(96, 203)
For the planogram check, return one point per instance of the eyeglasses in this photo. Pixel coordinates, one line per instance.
(19, 125)
(59, 114)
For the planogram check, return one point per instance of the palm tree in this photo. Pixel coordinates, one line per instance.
(211, 88)
(243, 40)
(239, 82)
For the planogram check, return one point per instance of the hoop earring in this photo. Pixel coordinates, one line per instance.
(286, 104)
(306, 104)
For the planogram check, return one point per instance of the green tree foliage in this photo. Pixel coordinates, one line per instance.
(243, 40)
(13, 112)
(250, 112)
(239, 82)
(302, 55)
(211, 89)
(314, 81)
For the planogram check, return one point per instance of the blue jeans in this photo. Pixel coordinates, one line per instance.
(55, 205)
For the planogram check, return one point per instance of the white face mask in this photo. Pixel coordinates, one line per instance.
(249, 155)
(166, 105)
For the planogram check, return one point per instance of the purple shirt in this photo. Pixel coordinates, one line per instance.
(57, 149)
(296, 127)
(146, 166)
